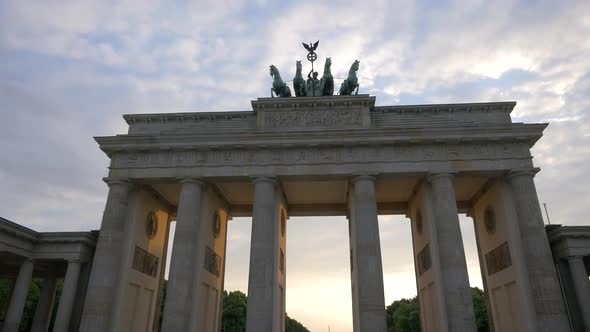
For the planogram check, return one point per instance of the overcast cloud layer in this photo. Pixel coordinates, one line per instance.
(69, 69)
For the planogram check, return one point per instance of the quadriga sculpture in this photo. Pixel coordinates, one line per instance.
(299, 84)
(351, 83)
(279, 87)
(327, 85)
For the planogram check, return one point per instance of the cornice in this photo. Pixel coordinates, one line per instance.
(87, 238)
(517, 132)
(36, 238)
(485, 107)
(191, 116)
(17, 230)
(323, 102)
(557, 233)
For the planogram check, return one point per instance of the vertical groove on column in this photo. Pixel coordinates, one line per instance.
(178, 304)
(66, 301)
(263, 275)
(19, 297)
(45, 304)
(453, 266)
(105, 268)
(582, 286)
(549, 305)
(368, 272)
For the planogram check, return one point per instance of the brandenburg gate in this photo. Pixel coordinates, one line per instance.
(322, 156)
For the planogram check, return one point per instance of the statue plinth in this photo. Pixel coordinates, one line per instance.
(313, 113)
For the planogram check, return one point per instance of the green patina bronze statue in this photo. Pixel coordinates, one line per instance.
(279, 87)
(299, 84)
(314, 87)
(351, 83)
(327, 84)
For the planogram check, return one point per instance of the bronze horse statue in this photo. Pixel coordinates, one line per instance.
(351, 83)
(279, 87)
(327, 84)
(299, 84)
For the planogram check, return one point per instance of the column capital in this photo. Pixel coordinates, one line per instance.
(522, 172)
(575, 257)
(74, 261)
(113, 181)
(260, 179)
(364, 177)
(435, 176)
(198, 181)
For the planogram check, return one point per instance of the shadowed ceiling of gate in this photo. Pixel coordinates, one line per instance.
(323, 196)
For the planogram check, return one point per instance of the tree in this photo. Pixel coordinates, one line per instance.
(233, 318)
(481, 310)
(291, 325)
(404, 315)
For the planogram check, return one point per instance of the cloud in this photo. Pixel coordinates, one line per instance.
(68, 70)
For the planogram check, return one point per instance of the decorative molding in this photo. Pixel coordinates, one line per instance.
(145, 262)
(313, 120)
(498, 259)
(424, 260)
(319, 155)
(212, 262)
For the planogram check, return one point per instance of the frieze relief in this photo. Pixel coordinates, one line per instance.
(319, 155)
(313, 119)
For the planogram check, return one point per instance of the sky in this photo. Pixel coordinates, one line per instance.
(70, 69)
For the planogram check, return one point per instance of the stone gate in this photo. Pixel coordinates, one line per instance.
(311, 156)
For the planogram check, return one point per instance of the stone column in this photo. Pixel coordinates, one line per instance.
(367, 269)
(451, 255)
(178, 308)
(45, 304)
(19, 297)
(264, 307)
(582, 287)
(102, 285)
(68, 295)
(549, 305)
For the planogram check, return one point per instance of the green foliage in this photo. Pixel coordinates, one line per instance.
(291, 325)
(404, 315)
(162, 301)
(481, 312)
(233, 318)
(30, 303)
(5, 287)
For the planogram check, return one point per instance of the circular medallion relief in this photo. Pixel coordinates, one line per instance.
(216, 224)
(283, 222)
(489, 220)
(151, 225)
(419, 221)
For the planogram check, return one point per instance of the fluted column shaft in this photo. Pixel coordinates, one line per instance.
(45, 304)
(19, 297)
(367, 270)
(549, 305)
(68, 295)
(582, 286)
(451, 255)
(264, 312)
(102, 285)
(178, 308)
